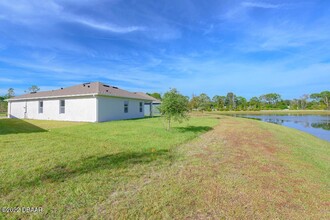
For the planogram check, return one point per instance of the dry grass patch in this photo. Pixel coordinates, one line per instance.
(235, 171)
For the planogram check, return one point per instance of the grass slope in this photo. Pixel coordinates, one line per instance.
(241, 169)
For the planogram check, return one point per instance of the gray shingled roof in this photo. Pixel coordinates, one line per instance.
(94, 88)
(154, 100)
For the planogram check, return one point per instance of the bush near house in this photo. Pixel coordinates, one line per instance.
(3, 108)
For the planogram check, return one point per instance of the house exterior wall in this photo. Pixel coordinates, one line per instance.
(76, 109)
(16, 109)
(111, 108)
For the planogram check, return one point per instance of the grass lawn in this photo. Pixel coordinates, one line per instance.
(69, 168)
(3, 114)
(235, 168)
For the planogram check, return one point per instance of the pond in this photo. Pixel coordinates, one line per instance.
(317, 125)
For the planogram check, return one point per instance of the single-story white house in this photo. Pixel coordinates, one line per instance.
(88, 102)
(151, 108)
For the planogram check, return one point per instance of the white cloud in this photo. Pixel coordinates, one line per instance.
(261, 5)
(241, 12)
(107, 27)
(46, 12)
(30, 12)
(139, 76)
(9, 80)
(282, 36)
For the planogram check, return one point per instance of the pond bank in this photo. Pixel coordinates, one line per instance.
(317, 125)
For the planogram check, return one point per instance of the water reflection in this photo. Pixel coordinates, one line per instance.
(318, 125)
(325, 126)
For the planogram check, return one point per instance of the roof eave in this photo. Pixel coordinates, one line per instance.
(125, 97)
(78, 95)
(50, 97)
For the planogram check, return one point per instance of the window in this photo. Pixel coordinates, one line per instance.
(62, 106)
(41, 107)
(126, 107)
(141, 108)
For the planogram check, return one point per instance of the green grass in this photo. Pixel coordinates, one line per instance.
(68, 168)
(3, 114)
(275, 112)
(208, 168)
(306, 149)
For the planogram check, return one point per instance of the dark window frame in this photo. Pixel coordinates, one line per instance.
(141, 106)
(126, 106)
(62, 107)
(41, 107)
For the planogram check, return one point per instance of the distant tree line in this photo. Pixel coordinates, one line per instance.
(3, 104)
(270, 101)
(156, 95)
(11, 93)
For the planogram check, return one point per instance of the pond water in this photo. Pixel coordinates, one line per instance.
(317, 125)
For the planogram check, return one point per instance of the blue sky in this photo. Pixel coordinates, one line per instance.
(249, 47)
